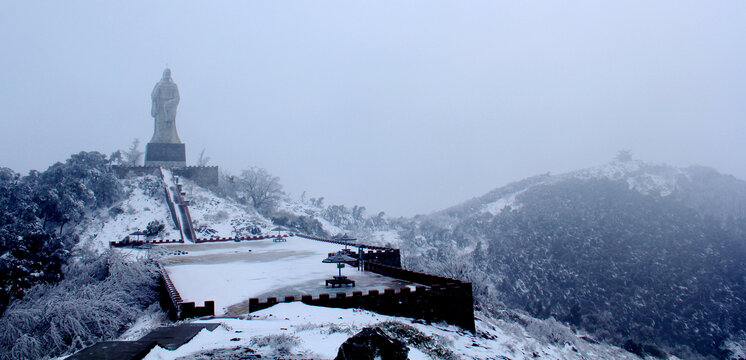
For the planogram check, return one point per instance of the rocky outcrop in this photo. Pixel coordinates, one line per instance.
(372, 343)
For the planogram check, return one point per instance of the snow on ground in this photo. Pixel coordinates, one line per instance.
(145, 201)
(230, 273)
(299, 330)
(642, 177)
(388, 238)
(215, 216)
(329, 227)
(151, 318)
(301, 208)
(496, 207)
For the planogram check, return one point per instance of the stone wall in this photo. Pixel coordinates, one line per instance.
(176, 308)
(205, 176)
(452, 303)
(127, 171)
(443, 299)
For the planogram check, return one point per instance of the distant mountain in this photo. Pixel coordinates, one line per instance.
(700, 188)
(633, 252)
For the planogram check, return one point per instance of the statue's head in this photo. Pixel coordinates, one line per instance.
(166, 75)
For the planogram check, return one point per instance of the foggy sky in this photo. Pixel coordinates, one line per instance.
(404, 107)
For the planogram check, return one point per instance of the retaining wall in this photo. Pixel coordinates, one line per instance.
(390, 257)
(210, 240)
(408, 275)
(171, 206)
(143, 242)
(123, 171)
(239, 238)
(205, 176)
(173, 304)
(452, 303)
(186, 218)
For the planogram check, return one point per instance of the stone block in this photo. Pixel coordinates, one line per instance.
(166, 155)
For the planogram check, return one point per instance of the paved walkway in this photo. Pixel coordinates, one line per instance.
(170, 337)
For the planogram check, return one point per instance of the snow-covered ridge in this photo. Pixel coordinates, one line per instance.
(644, 178)
(647, 179)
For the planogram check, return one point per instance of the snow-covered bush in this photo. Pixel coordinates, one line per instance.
(435, 346)
(550, 331)
(736, 346)
(34, 211)
(151, 185)
(99, 297)
(302, 223)
(278, 344)
(154, 228)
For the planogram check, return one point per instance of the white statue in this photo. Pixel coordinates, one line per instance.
(165, 98)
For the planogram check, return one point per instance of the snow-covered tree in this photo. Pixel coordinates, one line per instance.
(258, 188)
(203, 159)
(133, 156)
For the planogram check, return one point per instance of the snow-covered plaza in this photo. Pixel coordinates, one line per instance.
(230, 273)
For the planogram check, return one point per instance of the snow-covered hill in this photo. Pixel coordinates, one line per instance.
(627, 250)
(699, 186)
(144, 202)
(313, 331)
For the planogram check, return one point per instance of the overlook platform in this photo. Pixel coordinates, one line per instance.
(230, 273)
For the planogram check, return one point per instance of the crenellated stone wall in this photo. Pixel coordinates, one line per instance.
(205, 176)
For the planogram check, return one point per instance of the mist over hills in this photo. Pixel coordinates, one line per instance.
(633, 252)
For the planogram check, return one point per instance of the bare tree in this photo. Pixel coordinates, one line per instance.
(259, 188)
(203, 160)
(133, 156)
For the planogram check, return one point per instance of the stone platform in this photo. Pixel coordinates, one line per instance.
(165, 155)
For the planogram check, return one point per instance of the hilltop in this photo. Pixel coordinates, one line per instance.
(633, 252)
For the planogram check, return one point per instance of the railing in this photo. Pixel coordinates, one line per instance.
(143, 242)
(171, 206)
(340, 242)
(239, 238)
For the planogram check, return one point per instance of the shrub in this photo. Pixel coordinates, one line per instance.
(278, 344)
(99, 297)
(154, 228)
(409, 335)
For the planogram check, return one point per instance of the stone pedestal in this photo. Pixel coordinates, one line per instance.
(165, 155)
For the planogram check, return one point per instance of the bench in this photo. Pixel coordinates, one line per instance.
(339, 281)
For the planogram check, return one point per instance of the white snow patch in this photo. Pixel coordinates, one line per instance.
(320, 331)
(388, 238)
(129, 215)
(496, 207)
(215, 216)
(644, 178)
